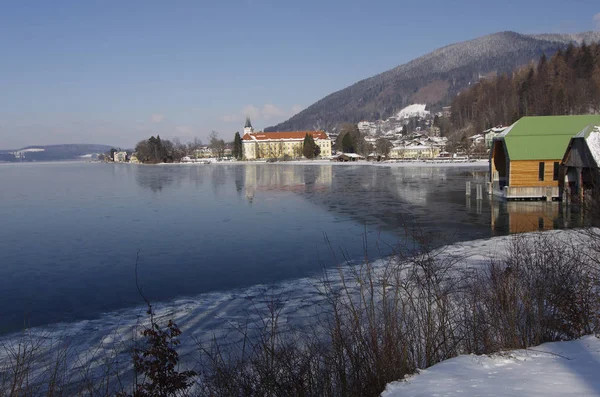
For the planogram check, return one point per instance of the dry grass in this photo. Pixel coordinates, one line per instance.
(380, 323)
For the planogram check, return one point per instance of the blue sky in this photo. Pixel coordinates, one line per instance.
(116, 72)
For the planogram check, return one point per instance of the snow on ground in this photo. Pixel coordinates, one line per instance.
(410, 163)
(552, 369)
(220, 315)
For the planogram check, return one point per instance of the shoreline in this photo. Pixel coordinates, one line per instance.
(218, 314)
(213, 161)
(392, 164)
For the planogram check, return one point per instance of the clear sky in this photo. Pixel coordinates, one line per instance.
(116, 72)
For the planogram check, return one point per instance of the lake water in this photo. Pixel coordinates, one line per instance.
(70, 232)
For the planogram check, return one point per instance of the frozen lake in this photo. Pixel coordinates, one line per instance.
(70, 231)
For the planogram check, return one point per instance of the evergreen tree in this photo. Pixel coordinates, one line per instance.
(566, 83)
(309, 148)
(237, 151)
(348, 144)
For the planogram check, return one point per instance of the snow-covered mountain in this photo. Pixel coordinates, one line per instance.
(433, 79)
(53, 152)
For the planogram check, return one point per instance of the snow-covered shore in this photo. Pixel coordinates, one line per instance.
(407, 163)
(415, 163)
(221, 315)
(552, 369)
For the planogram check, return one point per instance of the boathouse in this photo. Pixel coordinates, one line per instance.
(525, 159)
(581, 163)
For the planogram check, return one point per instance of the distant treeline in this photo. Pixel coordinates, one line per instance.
(567, 83)
(156, 150)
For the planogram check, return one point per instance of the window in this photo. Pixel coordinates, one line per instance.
(541, 171)
(555, 174)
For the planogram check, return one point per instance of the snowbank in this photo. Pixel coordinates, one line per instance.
(552, 369)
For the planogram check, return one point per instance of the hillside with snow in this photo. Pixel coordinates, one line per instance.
(414, 110)
(53, 152)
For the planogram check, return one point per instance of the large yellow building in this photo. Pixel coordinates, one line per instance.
(415, 152)
(265, 145)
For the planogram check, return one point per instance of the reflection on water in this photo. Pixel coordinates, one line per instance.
(531, 216)
(284, 178)
(390, 197)
(71, 231)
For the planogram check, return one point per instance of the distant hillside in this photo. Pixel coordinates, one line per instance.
(52, 152)
(434, 78)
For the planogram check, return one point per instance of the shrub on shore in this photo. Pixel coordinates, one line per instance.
(380, 323)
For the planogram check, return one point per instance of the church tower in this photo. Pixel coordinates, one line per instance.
(248, 127)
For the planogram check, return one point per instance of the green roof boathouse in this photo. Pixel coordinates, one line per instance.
(525, 160)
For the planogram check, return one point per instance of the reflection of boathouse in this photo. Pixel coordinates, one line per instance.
(525, 158)
(532, 216)
(523, 217)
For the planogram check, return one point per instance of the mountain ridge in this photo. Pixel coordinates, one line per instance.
(434, 78)
(68, 151)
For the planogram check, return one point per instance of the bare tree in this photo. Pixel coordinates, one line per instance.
(216, 144)
(383, 146)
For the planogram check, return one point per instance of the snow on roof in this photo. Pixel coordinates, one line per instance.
(351, 155)
(413, 147)
(414, 110)
(507, 130)
(593, 143)
(291, 135)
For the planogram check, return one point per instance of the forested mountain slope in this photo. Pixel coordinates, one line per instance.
(434, 78)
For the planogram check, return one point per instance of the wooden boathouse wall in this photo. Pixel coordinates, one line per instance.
(525, 173)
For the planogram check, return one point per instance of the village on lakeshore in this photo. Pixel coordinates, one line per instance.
(411, 135)
(311, 198)
(538, 157)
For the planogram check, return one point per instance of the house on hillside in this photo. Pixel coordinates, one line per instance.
(525, 159)
(477, 139)
(581, 164)
(120, 157)
(265, 145)
(492, 133)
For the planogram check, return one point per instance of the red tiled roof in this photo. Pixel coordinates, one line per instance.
(263, 136)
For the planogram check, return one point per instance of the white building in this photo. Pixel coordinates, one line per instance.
(120, 157)
(266, 145)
